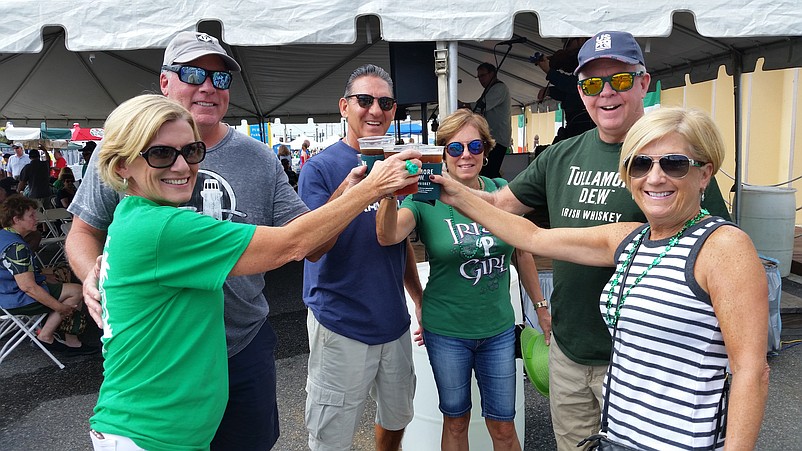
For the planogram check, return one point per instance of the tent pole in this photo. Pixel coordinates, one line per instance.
(453, 80)
(736, 84)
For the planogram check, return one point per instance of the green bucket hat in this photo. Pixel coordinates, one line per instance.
(535, 354)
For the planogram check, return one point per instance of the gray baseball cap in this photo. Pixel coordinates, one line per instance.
(189, 45)
(617, 45)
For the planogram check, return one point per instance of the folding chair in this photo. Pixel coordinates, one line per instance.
(20, 327)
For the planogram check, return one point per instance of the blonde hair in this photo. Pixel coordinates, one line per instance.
(694, 126)
(463, 117)
(130, 128)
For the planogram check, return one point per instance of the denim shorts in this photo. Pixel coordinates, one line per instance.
(493, 361)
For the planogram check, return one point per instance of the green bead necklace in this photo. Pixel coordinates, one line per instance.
(462, 251)
(612, 318)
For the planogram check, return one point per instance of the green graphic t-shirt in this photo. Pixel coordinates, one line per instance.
(468, 292)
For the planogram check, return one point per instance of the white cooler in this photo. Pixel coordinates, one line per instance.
(425, 430)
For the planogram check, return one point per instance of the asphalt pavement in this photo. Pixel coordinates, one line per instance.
(44, 408)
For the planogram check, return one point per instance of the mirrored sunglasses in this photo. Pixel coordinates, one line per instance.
(366, 101)
(160, 157)
(620, 82)
(456, 149)
(197, 75)
(673, 165)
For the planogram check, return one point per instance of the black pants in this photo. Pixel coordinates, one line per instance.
(494, 159)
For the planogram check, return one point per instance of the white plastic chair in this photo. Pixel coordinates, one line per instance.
(20, 327)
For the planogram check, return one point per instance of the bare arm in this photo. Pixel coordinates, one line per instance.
(325, 247)
(272, 247)
(729, 269)
(414, 288)
(527, 272)
(393, 225)
(592, 246)
(84, 245)
(27, 283)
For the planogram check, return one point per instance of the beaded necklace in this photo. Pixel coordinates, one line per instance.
(611, 318)
(462, 251)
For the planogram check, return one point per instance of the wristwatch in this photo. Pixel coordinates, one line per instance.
(543, 303)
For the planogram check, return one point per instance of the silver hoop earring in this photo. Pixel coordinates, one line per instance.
(703, 196)
(125, 183)
(485, 161)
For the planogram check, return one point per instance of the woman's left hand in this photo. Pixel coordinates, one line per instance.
(417, 337)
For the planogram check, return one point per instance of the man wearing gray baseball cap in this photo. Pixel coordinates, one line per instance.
(197, 73)
(577, 181)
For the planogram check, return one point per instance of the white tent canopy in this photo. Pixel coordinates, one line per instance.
(296, 55)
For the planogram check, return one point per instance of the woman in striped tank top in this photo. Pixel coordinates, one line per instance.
(688, 298)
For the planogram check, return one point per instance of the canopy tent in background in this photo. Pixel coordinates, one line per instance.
(296, 68)
(31, 134)
(86, 134)
(64, 64)
(406, 128)
(296, 143)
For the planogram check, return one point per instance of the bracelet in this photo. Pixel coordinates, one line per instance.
(543, 303)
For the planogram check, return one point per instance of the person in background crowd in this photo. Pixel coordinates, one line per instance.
(304, 152)
(292, 177)
(86, 155)
(17, 161)
(67, 192)
(358, 324)
(559, 69)
(59, 163)
(197, 73)
(466, 320)
(34, 179)
(284, 153)
(676, 301)
(494, 105)
(613, 82)
(25, 289)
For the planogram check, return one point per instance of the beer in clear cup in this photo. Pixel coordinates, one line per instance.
(394, 149)
(371, 149)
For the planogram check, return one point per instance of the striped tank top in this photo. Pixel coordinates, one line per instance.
(667, 371)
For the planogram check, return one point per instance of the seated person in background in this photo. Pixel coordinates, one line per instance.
(23, 288)
(292, 177)
(64, 172)
(67, 192)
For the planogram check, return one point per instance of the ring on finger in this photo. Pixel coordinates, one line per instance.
(412, 168)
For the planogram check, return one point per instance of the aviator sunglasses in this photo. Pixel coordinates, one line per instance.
(197, 75)
(160, 157)
(675, 166)
(366, 101)
(475, 147)
(620, 82)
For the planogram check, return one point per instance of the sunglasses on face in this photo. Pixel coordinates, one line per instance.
(366, 101)
(197, 75)
(673, 165)
(620, 82)
(456, 149)
(160, 157)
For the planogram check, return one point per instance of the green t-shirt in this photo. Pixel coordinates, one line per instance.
(165, 373)
(468, 292)
(578, 180)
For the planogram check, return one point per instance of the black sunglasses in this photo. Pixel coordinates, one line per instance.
(456, 149)
(366, 101)
(674, 165)
(192, 75)
(620, 82)
(160, 157)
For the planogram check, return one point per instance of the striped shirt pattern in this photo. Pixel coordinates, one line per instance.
(667, 371)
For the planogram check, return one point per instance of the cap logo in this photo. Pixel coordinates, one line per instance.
(205, 37)
(603, 42)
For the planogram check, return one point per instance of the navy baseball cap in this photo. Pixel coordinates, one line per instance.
(617, 45)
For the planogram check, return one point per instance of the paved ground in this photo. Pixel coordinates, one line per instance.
(44, 408)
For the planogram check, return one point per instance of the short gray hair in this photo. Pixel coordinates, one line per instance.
(364, 71)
